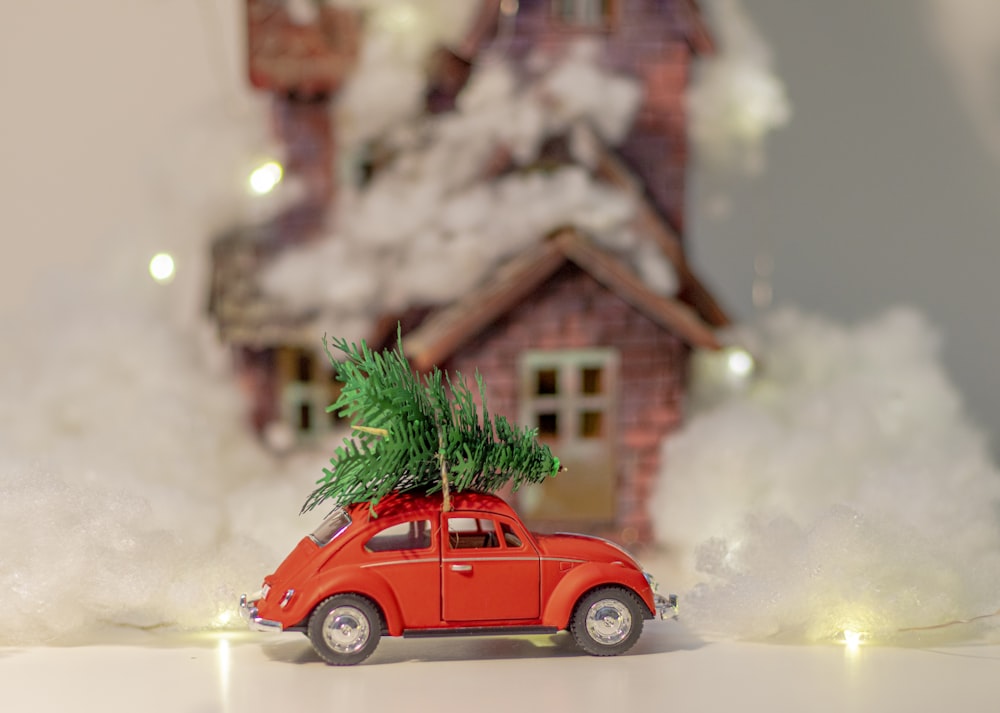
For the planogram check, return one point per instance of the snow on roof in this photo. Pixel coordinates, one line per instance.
(438, 217)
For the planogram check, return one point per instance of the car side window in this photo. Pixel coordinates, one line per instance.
(411, 535)
(471, 533)
(510, 537)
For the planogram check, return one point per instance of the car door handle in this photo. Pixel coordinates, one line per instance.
(461, 568)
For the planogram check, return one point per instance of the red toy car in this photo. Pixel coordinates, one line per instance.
(417, 571)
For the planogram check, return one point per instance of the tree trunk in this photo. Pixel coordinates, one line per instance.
(445, 491)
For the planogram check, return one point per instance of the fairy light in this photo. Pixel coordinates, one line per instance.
(162, 268)
(853, 639)
(265, 177)
(740, 363)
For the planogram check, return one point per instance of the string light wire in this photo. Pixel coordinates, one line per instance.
(947, 624)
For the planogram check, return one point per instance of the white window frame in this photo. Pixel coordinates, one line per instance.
(569, 402)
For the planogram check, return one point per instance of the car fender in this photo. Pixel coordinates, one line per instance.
(585, 577)
(355, 581)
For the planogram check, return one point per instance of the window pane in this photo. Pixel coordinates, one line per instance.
(547, 382)
(305, 417)
(591, 380)
(304, 367)
(510, 538)
(471, 533)
(414, 535)
(548, 424)
(591, 424)
(333, 524)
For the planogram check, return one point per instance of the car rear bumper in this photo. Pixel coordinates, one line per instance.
(666, 607)
(248, 610)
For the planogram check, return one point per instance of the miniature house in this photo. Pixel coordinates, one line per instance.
(568, 336)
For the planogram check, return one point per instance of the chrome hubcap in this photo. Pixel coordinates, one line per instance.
(608, 621)
(346, 629)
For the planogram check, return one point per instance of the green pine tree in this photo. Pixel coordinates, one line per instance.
(417, 434)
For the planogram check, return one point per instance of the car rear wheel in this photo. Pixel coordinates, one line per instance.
(607, 621)
(345, 629)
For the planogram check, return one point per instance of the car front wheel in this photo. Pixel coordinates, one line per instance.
(607, 621)
(345, 629)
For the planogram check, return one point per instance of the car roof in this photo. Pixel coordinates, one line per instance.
(405, 504)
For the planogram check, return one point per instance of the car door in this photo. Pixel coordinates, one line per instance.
(403, 555)
(489, 570)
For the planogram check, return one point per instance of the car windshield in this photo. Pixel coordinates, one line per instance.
(333, 524)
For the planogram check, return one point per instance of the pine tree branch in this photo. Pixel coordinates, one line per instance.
(420, 434)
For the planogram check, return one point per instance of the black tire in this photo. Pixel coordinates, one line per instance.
(607, 621)
(345, 629)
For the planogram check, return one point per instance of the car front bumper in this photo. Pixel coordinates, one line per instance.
(666, 607)
(248, 610)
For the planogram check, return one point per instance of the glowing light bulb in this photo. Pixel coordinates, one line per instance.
(852, 639)
(224, 618)
(740, 363)
(162, 268)
(264, 178)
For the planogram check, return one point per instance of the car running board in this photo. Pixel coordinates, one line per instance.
(479, 631)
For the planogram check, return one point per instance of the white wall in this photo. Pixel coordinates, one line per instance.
(93, 97)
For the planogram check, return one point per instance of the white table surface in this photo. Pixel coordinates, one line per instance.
(669, 669)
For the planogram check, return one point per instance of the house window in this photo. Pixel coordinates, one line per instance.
(591, 424)
(547, 381)
(593, 14)
(304, 363)
(305, 390)
(590, 380)
(547, 425)
(566, 394)
(570, 396)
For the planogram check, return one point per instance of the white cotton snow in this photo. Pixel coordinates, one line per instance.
(736, 99)
(387, 84)
(132, 493)
(845, 489)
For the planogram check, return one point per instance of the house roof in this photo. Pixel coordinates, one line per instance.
(445, 330)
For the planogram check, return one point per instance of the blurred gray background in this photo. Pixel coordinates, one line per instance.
(882, 189)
